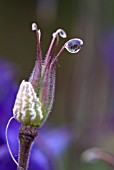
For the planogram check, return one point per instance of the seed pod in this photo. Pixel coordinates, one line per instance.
(27, 107)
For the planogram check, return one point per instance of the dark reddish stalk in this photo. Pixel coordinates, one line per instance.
(26, 137)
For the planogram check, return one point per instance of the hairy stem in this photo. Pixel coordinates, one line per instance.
(26, 137)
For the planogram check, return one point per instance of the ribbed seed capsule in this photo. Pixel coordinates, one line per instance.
(27, 107)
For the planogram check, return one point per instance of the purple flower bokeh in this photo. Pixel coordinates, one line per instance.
(106, 49)
(48, 146)
(8, 90)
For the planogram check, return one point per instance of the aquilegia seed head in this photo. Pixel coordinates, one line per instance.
(27, 108)
(34, 99)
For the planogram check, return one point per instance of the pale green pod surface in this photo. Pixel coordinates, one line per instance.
(27, 107)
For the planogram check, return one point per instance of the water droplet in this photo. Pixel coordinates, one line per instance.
(74, 45)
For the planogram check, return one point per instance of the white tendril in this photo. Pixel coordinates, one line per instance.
(61, 32)
(6, 134)
(35, 28)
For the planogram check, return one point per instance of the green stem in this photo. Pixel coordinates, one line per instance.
(26, 137)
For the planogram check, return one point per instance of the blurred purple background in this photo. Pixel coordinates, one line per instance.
(84, 98)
